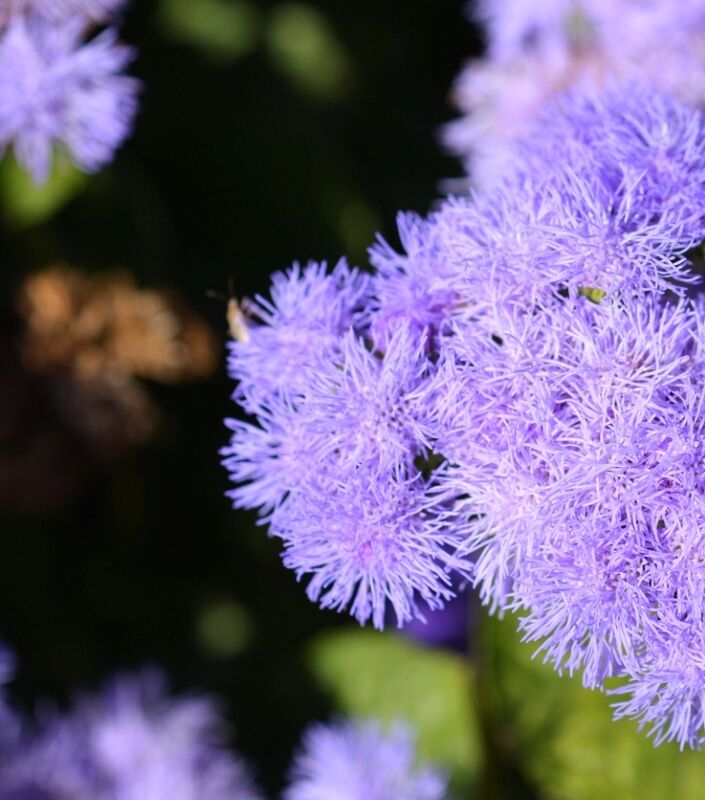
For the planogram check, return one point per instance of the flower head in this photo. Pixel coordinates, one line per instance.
(537, 51)
(57, 91)
(61, 10)
(358, 761)
(133, 742)
(607, 194)
(372, 544)
(411, 289)
(305, 318)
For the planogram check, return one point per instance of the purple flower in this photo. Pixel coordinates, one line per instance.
(411, 288)
(8, 665)
(607, 193)
(269, 459)
(576, 446)
(307, 314)
(447, 627)
(56, 91)
(538, 51)
(354, 411)
(358, 761)
(61, 10)
(133, 743)
(368, 544)
(363, 407)
(521, 405)
(335, 472)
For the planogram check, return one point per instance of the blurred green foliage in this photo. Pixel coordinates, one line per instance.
(389, 677)
(563, 736)
(25, 204)
(303, 45)
(222, 29)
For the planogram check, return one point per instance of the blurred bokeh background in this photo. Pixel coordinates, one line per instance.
(269, 132)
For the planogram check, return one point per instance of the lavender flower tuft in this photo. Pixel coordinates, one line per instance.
(56, 91)
(308, 312)
(357, 761)
(133, 742)
(537, 51)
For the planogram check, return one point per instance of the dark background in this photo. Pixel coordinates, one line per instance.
(240, 163)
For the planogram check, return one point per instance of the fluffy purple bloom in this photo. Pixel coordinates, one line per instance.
(607, 193)
(411, 288)
(56, 91)
(537, 51)
(358, 761)
(522, 406)
(307, 314)
(335, 472)
(372, 544)
(577, 443)
(133, 743)
(363, 408)
(61, 10)
(269, 459)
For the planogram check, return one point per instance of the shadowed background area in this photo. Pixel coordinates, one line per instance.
(269, 132)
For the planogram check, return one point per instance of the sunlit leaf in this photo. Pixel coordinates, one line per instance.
(222, 29)
(379, 675)
(304, 46)
(25, 203)
(564, 737)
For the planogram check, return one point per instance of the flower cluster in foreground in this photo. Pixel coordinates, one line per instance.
(537, 51)
(516, 399)
(59, 89)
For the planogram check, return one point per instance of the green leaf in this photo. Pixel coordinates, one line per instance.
(304, 46)
(224, 30)
(384, 676)
(25, 203)
(564, 737)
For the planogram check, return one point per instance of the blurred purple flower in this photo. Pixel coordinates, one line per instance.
(537, 51)
(358, 761)
(61, 10)
(56, 91)
(133, 743)
(8, 665)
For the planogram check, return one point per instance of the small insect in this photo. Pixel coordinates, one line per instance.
(237, 321)
(235, 314)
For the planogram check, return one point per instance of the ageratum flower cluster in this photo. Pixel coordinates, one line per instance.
(134, 741)
(537, 51)
(58, 90)
(518, 398)
(358, 761)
